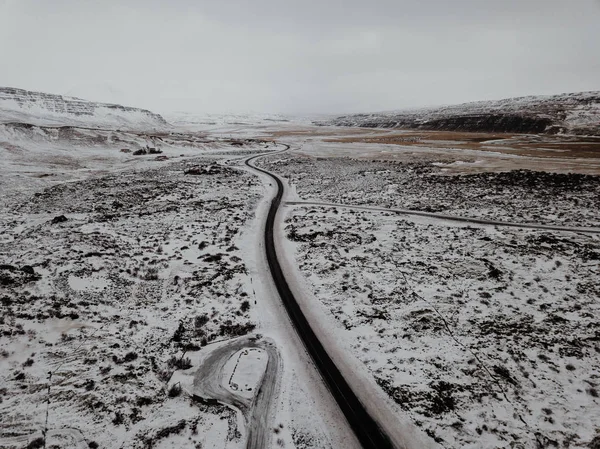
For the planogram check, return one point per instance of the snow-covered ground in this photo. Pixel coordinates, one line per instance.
(106, 282)
(138, 310)
(521, 195)
(119, 272)
(209, 121)
(485, 336)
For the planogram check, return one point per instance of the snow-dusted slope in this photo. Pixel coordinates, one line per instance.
(574, 113)
(37, 108)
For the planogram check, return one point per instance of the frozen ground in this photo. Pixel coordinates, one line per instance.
(136, 311)
(125, 258)
(485, 336)
(520, 195)
(105, 283)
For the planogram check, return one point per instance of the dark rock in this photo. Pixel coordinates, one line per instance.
(28, 269)
(10, 275)
(489, 123)
(207, 170)
(531, 115)
(59, 219)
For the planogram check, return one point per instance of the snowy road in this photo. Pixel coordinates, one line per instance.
(448, 217)
(367, 430)
(209, 383)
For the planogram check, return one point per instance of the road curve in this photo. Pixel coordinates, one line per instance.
(449, 217)
(209, 384)
(367, 430)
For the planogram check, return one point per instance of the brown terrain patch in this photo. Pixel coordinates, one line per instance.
(521, 144)
(482, 151)
(322, 131)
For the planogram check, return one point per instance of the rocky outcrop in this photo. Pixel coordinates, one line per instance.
(491, 123)
(38, 108)
(577, 113)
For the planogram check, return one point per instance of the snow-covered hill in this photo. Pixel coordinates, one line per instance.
(42, 109)
(201, 121)
(574, 113)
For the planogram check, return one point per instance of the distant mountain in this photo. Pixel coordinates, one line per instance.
(38, 108)
(574, 113)
(191, 119)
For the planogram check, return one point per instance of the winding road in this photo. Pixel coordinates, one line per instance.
(208, 382)
(367, 430)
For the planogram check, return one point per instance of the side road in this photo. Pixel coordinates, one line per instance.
(449, 217)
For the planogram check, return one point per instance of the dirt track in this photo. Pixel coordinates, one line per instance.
(209, 384)
(451, 217)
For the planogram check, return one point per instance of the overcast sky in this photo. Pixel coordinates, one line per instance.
(303, 56)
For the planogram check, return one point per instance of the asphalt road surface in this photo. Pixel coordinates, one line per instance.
(367, 430)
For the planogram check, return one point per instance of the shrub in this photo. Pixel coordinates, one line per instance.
(503, 372)
(235, 330)
(142, 401)
(37, 443)
(151, 274)
(167, 431)
(130, 357)
(163, 375)
(200, 321)
(179, 332)
(442, 401)
(175, 390)
(180, 363)
(190, 347)
(118, 419)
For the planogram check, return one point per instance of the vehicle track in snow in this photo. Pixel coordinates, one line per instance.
(209, 383)
(446, 217)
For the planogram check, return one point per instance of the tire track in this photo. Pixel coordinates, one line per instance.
(209, 383)
(456, 218)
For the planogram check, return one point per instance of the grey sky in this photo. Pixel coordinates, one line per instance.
(308, 56)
